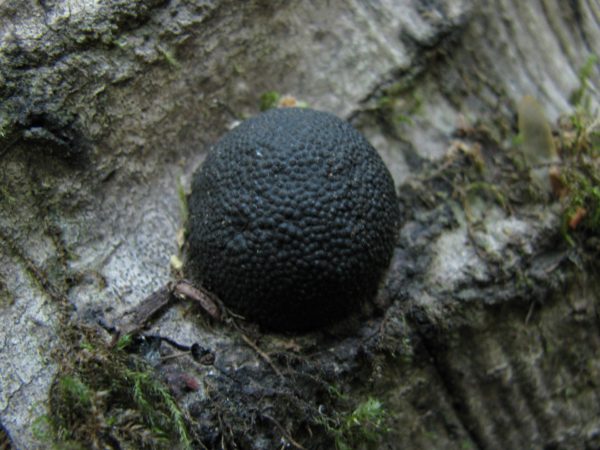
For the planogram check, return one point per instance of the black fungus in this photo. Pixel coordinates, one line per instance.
(293, 219)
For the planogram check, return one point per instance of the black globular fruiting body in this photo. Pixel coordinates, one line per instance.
(293, 217)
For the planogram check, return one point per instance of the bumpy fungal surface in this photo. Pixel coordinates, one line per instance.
(293, 218)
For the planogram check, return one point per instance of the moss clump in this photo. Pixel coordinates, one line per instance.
(362, 427)
(580, 182)
(105, 397)
(269, 100)
(399, 104)
(579, 177)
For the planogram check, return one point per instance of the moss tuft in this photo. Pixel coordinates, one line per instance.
(579, 136)
(104, 396)
(269, 100)
(363, 427)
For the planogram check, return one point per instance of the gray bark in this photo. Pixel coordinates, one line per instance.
(108, 107)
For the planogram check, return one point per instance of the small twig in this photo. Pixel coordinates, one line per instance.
(284, 432)
(260, 353)
(207, 300)
(142, 314)
(149, 308)
(529, 313)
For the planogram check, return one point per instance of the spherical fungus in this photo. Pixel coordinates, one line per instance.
(293, 217)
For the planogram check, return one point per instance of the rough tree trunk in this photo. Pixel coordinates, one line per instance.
(485, 334)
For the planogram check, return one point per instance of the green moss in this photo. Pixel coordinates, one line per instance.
(75, 392)
(363, 427)
(102, 396)
(269, 100)
(148, 395)
(124, 342)
(583, 199)
(580, 172)
(400, 104)
(42, 430)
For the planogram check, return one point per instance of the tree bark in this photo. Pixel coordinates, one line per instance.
(484, 334)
